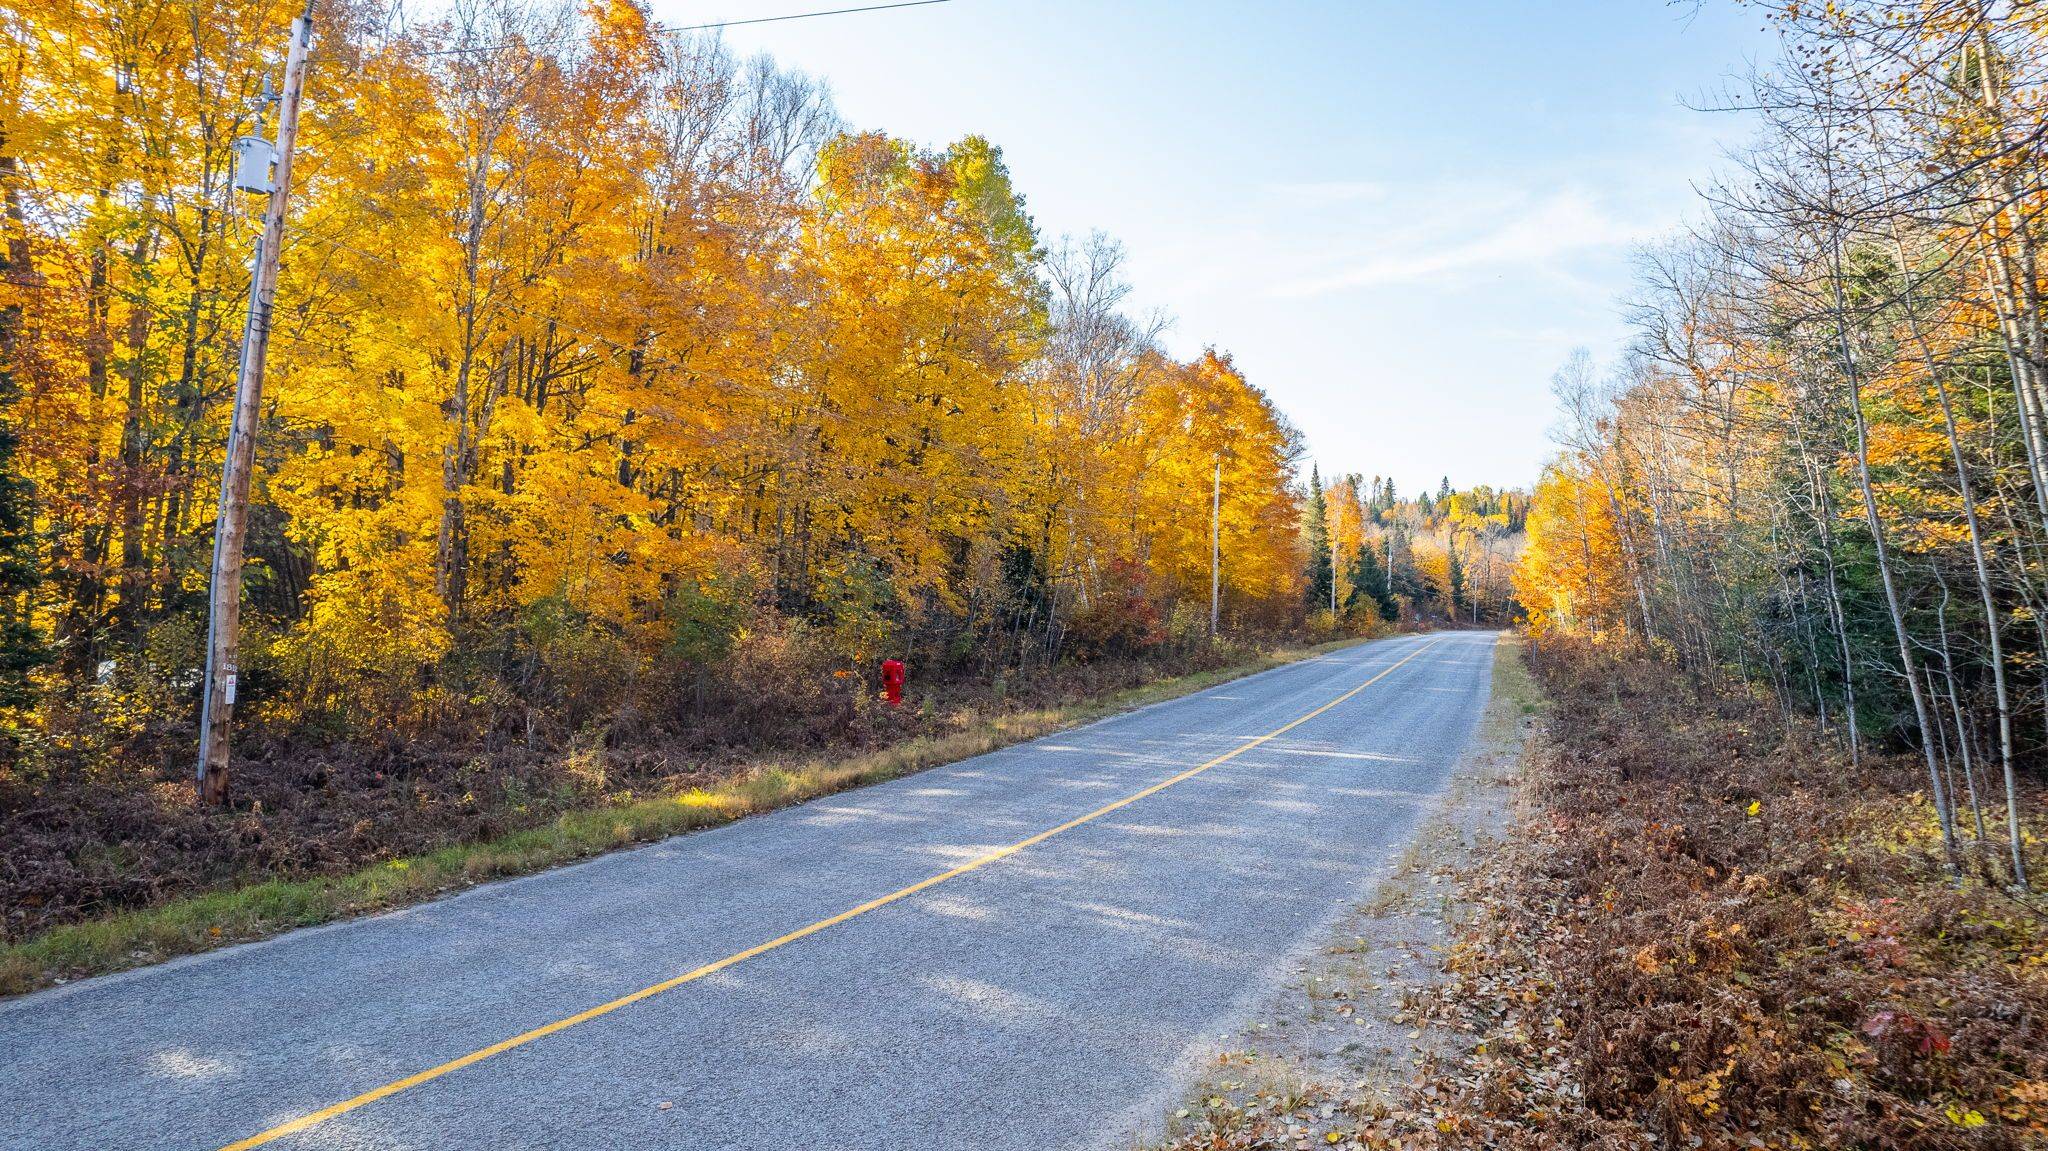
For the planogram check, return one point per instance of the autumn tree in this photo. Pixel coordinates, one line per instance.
(1818, 466)
(604, 362)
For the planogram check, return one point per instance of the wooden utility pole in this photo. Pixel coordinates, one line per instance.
(1215, 549)
(1333, 569)
(230, 532)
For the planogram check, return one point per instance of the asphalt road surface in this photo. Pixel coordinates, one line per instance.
(1025, 950)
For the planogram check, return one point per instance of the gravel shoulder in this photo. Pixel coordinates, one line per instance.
(1319, 1061)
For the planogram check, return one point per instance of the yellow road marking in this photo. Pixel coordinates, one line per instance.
(316, 1118)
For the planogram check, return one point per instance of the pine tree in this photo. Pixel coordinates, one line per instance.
(21, 649)
(1321, 569)
(1369, 584)
(1403, 576)
(1457, 580)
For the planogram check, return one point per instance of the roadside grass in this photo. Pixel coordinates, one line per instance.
(199, 923)
(1516, 694)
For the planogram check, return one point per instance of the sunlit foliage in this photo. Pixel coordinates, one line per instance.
(1821, 463)
(600, 356)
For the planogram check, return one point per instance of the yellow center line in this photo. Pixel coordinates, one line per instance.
(316, 1118)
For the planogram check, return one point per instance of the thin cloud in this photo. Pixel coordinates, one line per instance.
(1514, 234)
(1321, 192)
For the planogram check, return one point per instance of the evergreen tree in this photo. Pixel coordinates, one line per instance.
(1457, 580)
(1402, 575)
(1320, 568)
(1369, 583)
(21, 649)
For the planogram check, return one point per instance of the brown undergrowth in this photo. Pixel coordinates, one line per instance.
(125, 831)
(1714, 932)
(103, 871)
(1707, 931)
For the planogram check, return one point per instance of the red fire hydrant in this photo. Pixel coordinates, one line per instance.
(892, 682)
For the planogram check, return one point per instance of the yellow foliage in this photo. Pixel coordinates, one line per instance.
(580, 326)
(1571, 574)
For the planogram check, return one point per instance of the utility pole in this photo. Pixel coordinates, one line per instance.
(1215, 548)
(1333, 577)
(255, 158)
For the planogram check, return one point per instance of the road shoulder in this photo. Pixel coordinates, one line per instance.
(1324, 1057)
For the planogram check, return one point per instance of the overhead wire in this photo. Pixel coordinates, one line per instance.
(679, 29)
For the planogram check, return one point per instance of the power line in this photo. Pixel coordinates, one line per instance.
(799, 16)
(674, 30)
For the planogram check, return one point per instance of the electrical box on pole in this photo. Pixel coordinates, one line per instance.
(263, 169)
(255, 165)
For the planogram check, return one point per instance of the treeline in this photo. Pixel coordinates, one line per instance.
(1440, 558)
(1822, 465)
(604, 363)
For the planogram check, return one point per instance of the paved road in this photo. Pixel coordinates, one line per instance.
(1044, 999)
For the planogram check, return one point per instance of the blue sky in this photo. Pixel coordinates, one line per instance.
(1400, 218)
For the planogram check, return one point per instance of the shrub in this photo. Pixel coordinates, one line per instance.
(1120, 619)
